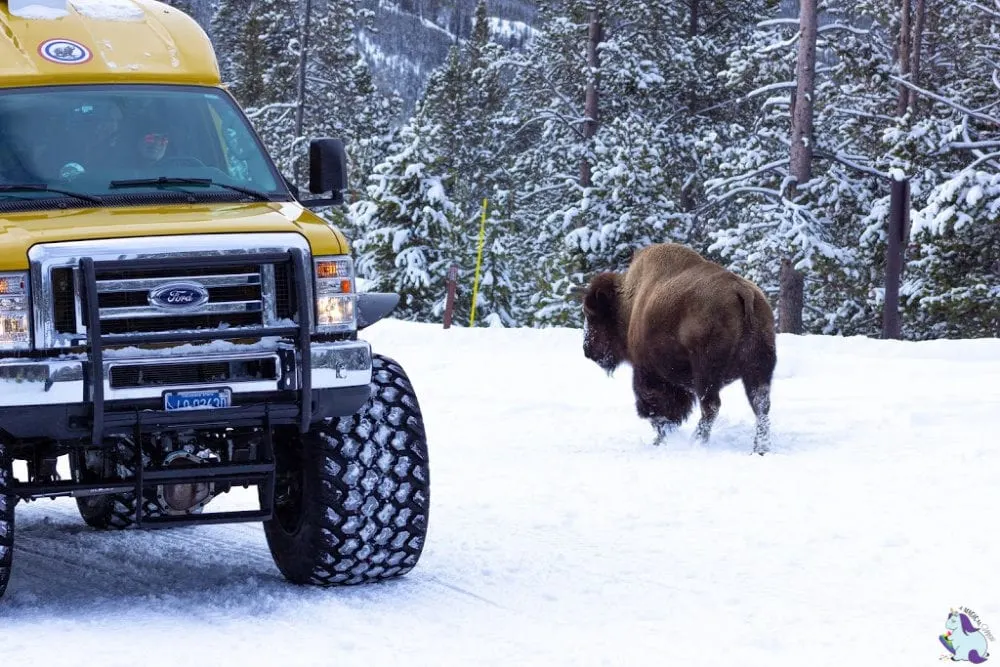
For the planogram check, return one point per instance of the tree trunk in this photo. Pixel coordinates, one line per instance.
(594, 38)
(692, 33)
(802, 112)
(790, 302)
(904, 55)
(899, 212)
(791, 281)
(301, 105)
(918, 41)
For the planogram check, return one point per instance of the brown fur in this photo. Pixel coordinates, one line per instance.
(688, 327)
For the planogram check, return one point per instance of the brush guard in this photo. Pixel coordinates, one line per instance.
(105, 421)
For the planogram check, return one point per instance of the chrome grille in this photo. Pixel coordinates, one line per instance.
(240, 295)
(234, 299)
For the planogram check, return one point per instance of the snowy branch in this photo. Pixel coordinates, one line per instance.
(978, 153)
(991, 12)
(863, 114)
(847, 162)
(985, 158)
(565, 100)
(841, 26)
(767, 192)
(773, 22)
(944, 100)
(316, 79)
(770, 166)
(777, 46)
(975, 144)
(538, 191)
(254, 113)
(784, 85)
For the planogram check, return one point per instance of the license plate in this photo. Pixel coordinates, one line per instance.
(201, 399)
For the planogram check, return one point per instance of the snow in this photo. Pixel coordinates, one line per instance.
(267, 343)
(109, 10)
(508, 29)
(559, 535)
(38, 10)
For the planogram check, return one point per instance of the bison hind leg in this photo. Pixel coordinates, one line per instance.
(759, 396)
(710, 404)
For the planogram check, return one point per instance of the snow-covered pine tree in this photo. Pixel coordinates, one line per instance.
(258, 43)
(821, 225)
(185, 6)
(650, 66)
(409, 225)
(454, 139)
(952, 281)
(484, 177)
(340, 99)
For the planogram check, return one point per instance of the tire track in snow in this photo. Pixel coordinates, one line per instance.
(57, 558)
(463, 591)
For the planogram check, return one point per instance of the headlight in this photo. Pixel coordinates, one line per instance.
(335, 298)
(14, 331)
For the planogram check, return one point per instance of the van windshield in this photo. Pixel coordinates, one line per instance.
(93, 141)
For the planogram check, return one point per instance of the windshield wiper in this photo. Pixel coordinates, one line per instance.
(42, 187)
(205, 182)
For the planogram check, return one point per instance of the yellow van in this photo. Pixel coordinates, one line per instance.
(174, 322)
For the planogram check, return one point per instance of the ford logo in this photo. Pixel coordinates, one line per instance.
(175, 296)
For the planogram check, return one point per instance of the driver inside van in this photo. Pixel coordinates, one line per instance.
(152, 147)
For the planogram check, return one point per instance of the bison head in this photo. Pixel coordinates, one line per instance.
(603, 338)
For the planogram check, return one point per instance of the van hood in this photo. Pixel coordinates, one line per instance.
(20, 231)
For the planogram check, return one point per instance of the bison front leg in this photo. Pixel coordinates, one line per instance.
(664, 405)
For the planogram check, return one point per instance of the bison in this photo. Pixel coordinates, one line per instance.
(687, 327)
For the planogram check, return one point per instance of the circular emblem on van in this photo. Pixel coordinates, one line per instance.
(177, 296)
(64, 51)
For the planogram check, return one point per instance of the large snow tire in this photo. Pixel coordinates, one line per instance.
(115, 511)
(353, 494)
(7, 502)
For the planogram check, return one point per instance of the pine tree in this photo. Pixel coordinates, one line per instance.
(952, 281)
(605, 185)
(258, 45)
(819, 224)
(186, 6)
(453, 141)
(408, 226)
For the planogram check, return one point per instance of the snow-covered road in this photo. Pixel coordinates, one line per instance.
(560, 536)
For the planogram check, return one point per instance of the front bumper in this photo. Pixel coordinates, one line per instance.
(60, 389)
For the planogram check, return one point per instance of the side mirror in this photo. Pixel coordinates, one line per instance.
(328, 168)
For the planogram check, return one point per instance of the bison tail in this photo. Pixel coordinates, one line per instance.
(747, 296)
